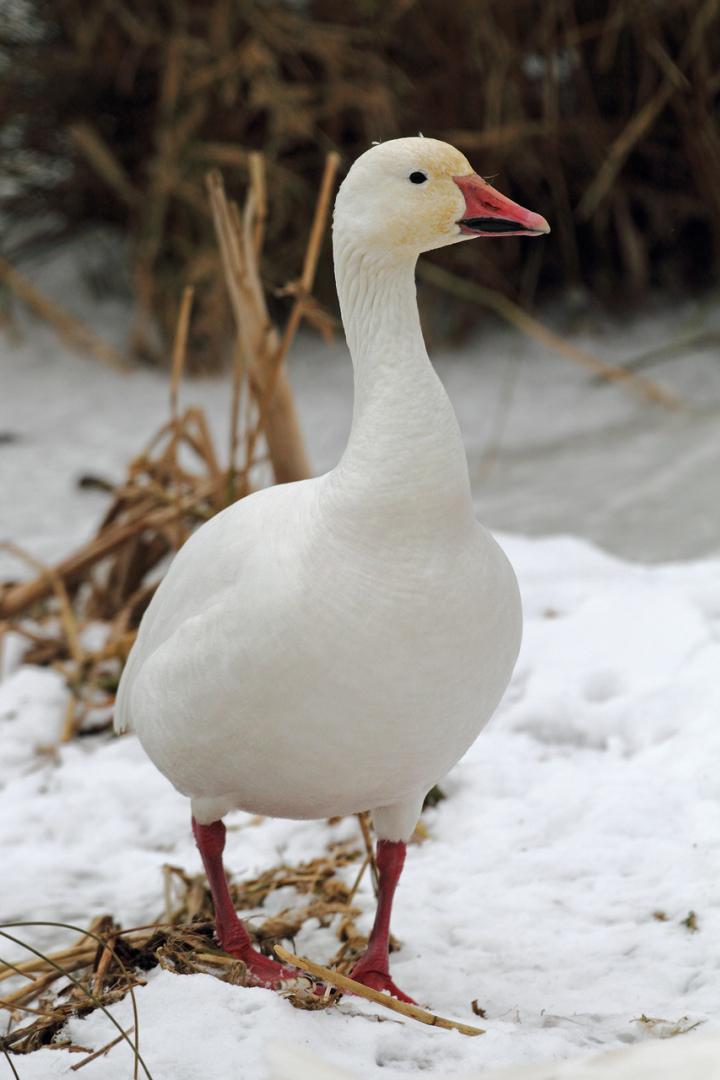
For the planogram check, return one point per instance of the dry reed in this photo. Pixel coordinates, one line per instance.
(350, 986)
(603, 117)
(107, 962)
(177, 480)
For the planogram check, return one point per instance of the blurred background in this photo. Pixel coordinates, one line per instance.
(584, 367)
(603, 114)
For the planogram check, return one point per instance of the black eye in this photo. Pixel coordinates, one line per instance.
(417, 177)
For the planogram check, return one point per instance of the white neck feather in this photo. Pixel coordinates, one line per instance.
(405, 454)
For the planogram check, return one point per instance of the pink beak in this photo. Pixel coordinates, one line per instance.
(488, 213)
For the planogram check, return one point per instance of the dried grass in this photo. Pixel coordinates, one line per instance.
(107, 962)
(350, 986)
(177, 481)
(602, 116)
(69, 329)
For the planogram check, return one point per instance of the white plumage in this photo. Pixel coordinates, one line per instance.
(298, 665)
(335, 645)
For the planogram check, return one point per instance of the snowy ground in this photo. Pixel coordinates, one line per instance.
(578, 833)
(591, 803)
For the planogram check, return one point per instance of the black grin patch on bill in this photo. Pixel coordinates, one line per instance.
(493, 225)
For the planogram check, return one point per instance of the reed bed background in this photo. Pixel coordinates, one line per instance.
(180, 478)
(603, 114)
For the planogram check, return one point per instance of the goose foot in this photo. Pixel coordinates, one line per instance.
(262, 970)
(229, 930)
(379, 980)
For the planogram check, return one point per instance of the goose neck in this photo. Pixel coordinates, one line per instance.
(405, 448)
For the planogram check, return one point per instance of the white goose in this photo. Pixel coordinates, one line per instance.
(336, 645)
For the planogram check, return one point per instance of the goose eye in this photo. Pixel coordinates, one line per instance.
(417, 177)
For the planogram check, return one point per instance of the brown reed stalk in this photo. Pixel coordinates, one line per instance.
(256, 342)
(180, 348)
(103, 1049)
(350, 986)
(162, 499)
(101, 158)
(609, 108)
(69, 570)
(68, 327)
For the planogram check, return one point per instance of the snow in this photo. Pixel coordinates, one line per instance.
(577, 834)
(590, 803)
(655, 1061)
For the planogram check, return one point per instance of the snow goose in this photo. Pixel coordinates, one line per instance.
(335, 645)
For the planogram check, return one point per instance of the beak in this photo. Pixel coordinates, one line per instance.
(488, 213)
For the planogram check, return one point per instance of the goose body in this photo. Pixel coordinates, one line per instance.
(299, 672)
(335, 645)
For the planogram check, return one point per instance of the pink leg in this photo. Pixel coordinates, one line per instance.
(372, 969)
(231, 933)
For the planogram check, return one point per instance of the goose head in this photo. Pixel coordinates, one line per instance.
(407, 196)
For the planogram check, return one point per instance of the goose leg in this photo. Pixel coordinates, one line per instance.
(372, 969)
(231, 934)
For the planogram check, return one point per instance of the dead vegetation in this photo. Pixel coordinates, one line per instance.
(81, 614)
(602, 116)
(106, 962)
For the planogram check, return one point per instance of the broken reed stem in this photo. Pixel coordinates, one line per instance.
(21, 596)
(39, 985)
(103, 964)
(68, 327)
(103, 1050)
(237, 385)
(69, 729)
(312, 254)
(273, 383)
(531, 326)
(350, 986)
(99, 155)
(178, 363)
(258, 185)
(231, 257)
(180, 348)
(81, 952)
(257, 339)
(621, 148)
(253, 221)
(6, 1004)
(369, 849)
(356, 883)
(57, 585)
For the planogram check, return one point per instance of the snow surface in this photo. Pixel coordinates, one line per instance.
(589, 805)
(699, 1060)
